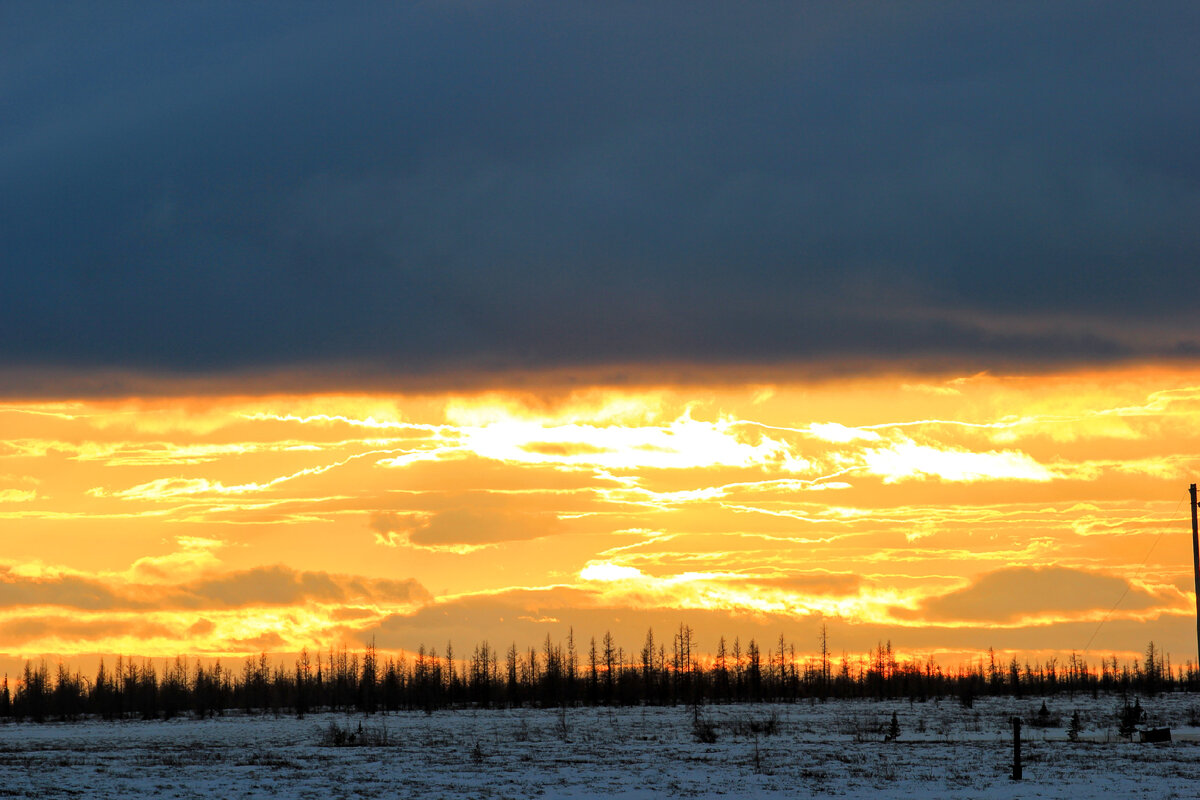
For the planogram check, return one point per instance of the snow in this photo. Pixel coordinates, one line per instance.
(819, 749)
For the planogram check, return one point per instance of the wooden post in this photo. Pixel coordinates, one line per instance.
(1016, 723)
(1196, 566)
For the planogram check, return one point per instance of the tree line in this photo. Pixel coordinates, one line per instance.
(667, 671)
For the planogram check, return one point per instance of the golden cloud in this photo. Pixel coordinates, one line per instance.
(1040, 595)
(463, 527)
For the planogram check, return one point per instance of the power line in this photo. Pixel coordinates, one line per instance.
(1129, 584)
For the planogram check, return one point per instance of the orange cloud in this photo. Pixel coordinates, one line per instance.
(463, 528)
(262, 586)
(1037, 595)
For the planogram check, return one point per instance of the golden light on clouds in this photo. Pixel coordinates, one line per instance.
(946, 514)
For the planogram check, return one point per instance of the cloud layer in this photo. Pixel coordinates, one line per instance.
(1046, 594)
(262, 586)
(430, 188)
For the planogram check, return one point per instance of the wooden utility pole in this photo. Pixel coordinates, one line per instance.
(1196, 566)
(1016, 773)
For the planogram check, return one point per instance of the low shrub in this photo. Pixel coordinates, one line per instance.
(767, 726)
(336, 735)
(704, 730)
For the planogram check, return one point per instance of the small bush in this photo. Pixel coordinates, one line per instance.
(336, 735)
(1128, 717)
(561, 728)
(767, 726)
(1044, 718)
(704, 730)
(893, 729)
(259, 758)
(1075, 727)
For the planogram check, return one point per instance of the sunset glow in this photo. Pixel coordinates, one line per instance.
(945, 514)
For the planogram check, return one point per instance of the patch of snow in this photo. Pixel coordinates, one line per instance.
(835, 748)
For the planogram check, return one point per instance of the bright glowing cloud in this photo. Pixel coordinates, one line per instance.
(607, 571)
(911, 461)
(840, 434)
(683, 443)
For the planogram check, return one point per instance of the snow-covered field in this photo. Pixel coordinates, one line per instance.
(830, 749)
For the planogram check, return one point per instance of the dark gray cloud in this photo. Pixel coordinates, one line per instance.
(440, 187)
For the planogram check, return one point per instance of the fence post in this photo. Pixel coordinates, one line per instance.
(1016, 773)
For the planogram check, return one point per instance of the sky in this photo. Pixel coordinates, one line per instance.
(478, 320)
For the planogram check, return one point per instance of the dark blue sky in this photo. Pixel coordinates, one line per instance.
(432, 188)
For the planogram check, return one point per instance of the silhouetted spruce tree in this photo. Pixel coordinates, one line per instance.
(100, 700)
(173, 690)
(629, 684)
(893, 732)
(609, 669)
(1050, 684)
(147, 691)
(450, 679)
(1014, 677)
(478, 676)
(512, 690)
(1129, 717)
(393, 685)
(246, 689)
(1075, 727)
(367, 682)
(431, 682)
(530, 675)
(69, 694)
(753, 672)
(1152, 673)
(647, 659)
(125, 674)
(202, 695)
(221, 685)
(823, 688)
(844, 684)
(721, 678)
(302, 680)
(550, 691)
(33, 696)
(572, 692)
(593, 674)
(793, 675)
(739, 672)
